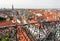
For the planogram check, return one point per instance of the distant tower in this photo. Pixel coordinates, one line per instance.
(12, 7)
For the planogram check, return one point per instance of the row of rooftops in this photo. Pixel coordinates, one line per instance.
(4, 23)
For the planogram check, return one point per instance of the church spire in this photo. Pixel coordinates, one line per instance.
(12, 7)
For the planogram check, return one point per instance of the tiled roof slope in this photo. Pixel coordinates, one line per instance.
(6, 23)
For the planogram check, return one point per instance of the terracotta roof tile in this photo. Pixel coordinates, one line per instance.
(6, 23)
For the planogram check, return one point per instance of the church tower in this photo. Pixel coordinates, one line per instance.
(12, 7)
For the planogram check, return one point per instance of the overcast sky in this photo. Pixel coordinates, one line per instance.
(30, 3)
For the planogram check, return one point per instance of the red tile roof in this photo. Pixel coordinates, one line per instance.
(22, 34)
(6, 23)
